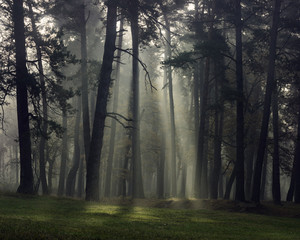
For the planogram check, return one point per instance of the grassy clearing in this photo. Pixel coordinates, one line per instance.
(58, 218)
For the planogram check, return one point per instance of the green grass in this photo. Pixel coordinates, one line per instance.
(58, 218)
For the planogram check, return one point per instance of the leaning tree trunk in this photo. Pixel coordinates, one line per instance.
(26, 181)
(137, 180)
(64, 156)
(240, 192)
(93, 163)
(267, 103)
(110, 158)
(44, 126)
(275, 166)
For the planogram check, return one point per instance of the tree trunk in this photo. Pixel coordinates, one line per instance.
(110, 158)
(64, 156)
(229, 184)
(201, 162)
(93, 163)
(137, 180)
(44, 126)
(71, 179)
(168, 70)
(275, 166)
(267, 103)
(240, 192)
(26, 181)
(84, 82)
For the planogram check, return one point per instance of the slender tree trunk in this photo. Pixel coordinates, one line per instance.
(64, 156)
(110, 158)
(137, 180)
(264, 178)
(44, 126)
(276, 171)
(240, 192)
(93, 163)
(26, 181)
(217, 163)
(168, 70)
(84, 82)
(71, 179)
(267, 103)
(201, 162)
(161, 170)
(290, 193)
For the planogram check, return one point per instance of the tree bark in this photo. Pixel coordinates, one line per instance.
(26, 181)
(93, 163)
(267, 103)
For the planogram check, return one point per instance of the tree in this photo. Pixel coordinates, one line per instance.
(93, 163)
(267, 103)
(44, 127)
(115, 109)
(240, 193)
(22, 76)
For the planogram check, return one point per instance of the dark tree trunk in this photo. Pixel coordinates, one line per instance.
(264, 178)
(267, 103)
(93, 163)
(137, 180)
(110, 158)
(64, 156)
(71, 179)
(44, 126)
(275, 166)
(26, 181)
(240, 192)
(200, 186)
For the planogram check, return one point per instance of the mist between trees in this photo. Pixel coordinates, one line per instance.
(156, 99)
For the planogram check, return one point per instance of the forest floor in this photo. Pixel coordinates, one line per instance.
(286, 209)
(36, 217)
